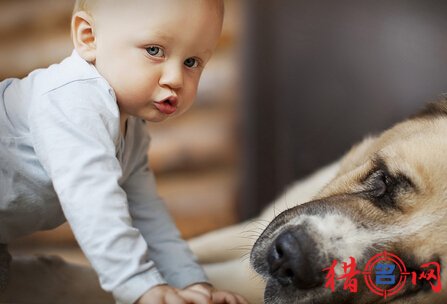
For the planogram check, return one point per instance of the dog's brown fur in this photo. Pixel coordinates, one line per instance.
(388, 193)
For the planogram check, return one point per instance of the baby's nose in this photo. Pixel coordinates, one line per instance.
(172, 76)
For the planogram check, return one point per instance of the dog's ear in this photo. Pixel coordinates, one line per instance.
(433, 109)
(83, 35)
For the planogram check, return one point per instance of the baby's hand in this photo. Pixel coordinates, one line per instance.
(165, 294)
(218, 296)
(226, 297)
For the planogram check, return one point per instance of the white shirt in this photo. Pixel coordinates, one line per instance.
(62, 156)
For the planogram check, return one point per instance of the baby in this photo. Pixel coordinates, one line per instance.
(73, 144)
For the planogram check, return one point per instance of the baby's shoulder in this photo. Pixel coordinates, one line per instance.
(92, 94)
(71, 83)
(85, 103)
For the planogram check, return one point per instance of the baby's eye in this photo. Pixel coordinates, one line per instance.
(155, 51)
(191, 62)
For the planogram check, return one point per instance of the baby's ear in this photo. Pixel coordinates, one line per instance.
(83, 35)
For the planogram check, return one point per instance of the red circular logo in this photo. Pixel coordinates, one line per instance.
(385, 258)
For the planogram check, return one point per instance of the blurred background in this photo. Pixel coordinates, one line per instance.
(292, 86)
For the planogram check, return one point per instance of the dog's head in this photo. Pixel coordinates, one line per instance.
(390, 195)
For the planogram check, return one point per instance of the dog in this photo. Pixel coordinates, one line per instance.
(377, 218)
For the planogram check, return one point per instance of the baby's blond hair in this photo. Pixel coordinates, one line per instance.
(82, 5)
(86, 5)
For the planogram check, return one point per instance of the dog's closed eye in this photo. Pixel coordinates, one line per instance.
(383, 187)
(380, 184)
(380, 189)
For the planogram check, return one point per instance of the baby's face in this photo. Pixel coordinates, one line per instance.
(152, 52)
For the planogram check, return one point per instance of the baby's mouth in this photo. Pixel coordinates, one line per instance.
(167, 106)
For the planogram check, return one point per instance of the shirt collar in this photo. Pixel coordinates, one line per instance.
(79, 68)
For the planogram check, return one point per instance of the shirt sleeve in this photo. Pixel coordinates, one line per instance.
(75, 145)
(171, 254)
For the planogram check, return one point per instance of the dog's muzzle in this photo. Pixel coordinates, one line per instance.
(292, 259)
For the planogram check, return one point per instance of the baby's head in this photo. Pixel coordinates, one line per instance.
(152, 52)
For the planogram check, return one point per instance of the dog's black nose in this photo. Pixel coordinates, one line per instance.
(293, 259)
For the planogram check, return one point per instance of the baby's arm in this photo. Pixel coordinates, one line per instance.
(166, 248)
(74, 143)
(170, 253)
